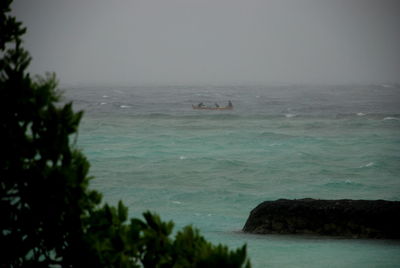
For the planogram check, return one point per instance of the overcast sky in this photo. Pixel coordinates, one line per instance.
(214, 41)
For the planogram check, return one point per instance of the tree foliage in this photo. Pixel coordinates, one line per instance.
(49, 215)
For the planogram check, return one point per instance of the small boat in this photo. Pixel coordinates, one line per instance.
(196, 107)
(201, 106)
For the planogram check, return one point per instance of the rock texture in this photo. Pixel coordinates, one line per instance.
(349, 218)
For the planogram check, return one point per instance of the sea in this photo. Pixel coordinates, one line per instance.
(210, 168)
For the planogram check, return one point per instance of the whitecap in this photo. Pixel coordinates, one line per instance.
(105, 96)
(102, 103)
(177, 202)
(391, 118)
(182, 157)
(275, 144)
(289, 115)
(370, 164)
(360, 114)
(124, 106)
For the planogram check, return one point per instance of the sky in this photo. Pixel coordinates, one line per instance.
(213, 41)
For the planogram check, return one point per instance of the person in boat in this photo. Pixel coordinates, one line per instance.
(217, 105)
(200, 105)
(230, 104)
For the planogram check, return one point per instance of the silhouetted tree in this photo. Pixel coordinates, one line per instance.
(49, 216)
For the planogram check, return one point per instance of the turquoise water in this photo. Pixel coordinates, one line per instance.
(148, 148)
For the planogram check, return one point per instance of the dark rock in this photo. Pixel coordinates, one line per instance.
(349, 218)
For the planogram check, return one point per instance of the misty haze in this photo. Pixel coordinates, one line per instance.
(214, 41)
(200, 110)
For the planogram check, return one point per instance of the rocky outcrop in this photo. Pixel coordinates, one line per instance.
(349, 218)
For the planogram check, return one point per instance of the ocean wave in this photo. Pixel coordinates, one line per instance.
(275, 136)
(136, 112)
(189, 116)
(290, 115)
(376, 116)
(157, 115)
(348, 184)
(275, 144)
(391, 118)
(370, 164)
(226, 163)
(220, 116)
